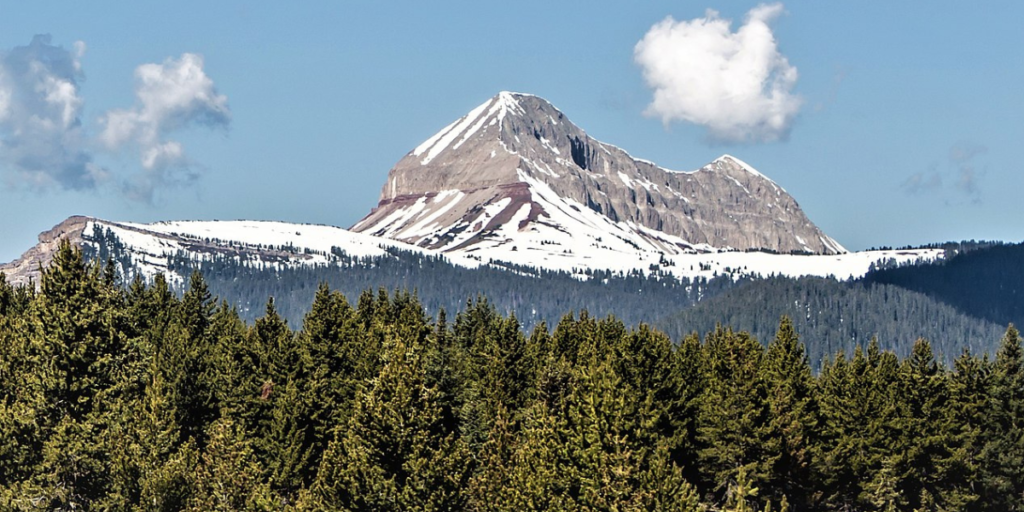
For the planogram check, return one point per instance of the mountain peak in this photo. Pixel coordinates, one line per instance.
(486, 117)
(516, 173)
(741, 164)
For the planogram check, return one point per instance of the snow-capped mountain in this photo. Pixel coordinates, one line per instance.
(515, 180)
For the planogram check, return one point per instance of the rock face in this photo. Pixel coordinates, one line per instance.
(26, 268)
(516, 173)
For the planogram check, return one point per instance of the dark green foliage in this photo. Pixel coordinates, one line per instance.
(534, 295)
(732, 410)
(395, 452)
(131, 398)
(834, 316)
(789, 435)
(986, 283)
(1002, 456)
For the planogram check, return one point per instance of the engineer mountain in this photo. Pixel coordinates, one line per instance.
(512, 184)
(516, 173)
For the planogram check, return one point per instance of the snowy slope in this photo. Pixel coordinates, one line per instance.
(281, 245)
(515, 172)
(262, 244)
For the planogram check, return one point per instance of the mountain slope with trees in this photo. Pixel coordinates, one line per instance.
(838, 316)
(986, 283)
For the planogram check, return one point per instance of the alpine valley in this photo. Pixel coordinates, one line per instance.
(514, 203)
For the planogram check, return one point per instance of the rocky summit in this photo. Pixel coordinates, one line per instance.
(516, 175)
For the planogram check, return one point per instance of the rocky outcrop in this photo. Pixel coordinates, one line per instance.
(517, 157)
(26, 269)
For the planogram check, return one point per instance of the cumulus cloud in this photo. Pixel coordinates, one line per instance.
(169, 96)
(735, 84)
(41, 139)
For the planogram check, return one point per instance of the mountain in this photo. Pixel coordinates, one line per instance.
(514, 180)
(514, 184)
(511, 189)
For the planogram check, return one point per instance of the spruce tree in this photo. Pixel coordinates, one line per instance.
(789, 435)
(394, 453)
(1003, 454)
(733, 409)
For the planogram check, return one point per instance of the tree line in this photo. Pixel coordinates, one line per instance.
(133, 398)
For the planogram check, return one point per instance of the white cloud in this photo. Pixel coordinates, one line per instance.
(43, 144)
(41, 141)
(169, 96)
(735, 84)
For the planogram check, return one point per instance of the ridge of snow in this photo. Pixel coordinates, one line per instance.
(570, 240)
(440, 141)
(745, 166)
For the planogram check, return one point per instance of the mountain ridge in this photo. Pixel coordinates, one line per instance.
(514, 184)
(520, 156)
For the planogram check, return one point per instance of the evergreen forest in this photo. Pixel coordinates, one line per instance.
(962, 301)
(127, 396)
(838, 316)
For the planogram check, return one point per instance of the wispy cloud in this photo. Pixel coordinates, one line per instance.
(736, 84)
(963, 174)
(922, 182)
(963, 157)
(42, 145)
(169, 96)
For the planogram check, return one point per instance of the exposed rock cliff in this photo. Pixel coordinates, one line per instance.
(26, 268)
(516, 172)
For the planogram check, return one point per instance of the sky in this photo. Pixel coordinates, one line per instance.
(891, 123)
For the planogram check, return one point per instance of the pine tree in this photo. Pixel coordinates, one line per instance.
(334, 347)
(620, 459)
(688, 376)
(1003, 454)
(228, 478)
(788, 437)
(19, 432)
(540, 474)
(925, 454)
(77, 349)
(165, 465)
(394, 453)
(883, 491)
(967, 418)
(733, 408)
(491, 487)
(187, 356)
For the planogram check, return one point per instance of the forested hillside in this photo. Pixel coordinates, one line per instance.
(131, 398)
(837, 316)
(832, 315)
(533, 295)
(986, 283)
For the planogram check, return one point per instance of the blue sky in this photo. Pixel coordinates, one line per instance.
(908, 124)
